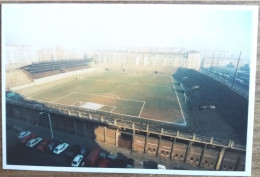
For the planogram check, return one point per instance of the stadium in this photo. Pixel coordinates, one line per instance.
(169, 92)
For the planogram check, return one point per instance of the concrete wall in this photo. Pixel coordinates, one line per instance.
(233, 161)
(165, 149)
(151, 146)
(139, 143)
(209, 159)
(179, 151)
(195, 154)
(193, 158)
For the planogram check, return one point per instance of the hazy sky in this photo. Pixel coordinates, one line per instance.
(119, 26)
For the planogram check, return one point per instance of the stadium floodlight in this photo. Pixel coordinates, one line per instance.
(49, 121)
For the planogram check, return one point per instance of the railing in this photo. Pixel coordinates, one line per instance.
(120, 122)
(226, 82)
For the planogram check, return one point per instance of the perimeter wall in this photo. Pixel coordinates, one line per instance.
(208, 153)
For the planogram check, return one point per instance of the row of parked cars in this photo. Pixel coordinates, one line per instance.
(32, 140)
(78, 154)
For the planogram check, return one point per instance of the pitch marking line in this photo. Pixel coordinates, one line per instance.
(81, 103)
(105, 94)
(43, 101)
(108, 96)
(53, 88)
(178, 102)
(61, 97)
(141, 110)
(113, 109)
(130, 83)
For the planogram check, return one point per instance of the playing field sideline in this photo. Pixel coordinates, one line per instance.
(143, 95)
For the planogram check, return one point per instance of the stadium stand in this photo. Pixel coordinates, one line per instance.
(16, 77)
(47, 68)
(231, 107)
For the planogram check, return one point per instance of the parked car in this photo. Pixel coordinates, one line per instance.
(161, 167)
(104, 163)
(77, 160)
(130, 163)
(73, 151)
(28, 138)
(60, 148)
(33, 142)
(112, 156)
(43, 144)
(51, 146)
(92, 157)
(23, 134)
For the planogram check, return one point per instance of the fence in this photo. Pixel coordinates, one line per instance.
(124, 122)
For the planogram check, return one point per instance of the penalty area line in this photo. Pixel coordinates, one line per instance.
(141, 109)
(178, 102)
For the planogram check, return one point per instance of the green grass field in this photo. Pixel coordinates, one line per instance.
(143, 95)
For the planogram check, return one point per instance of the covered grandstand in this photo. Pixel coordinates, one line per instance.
(47, 68)
(216, 110)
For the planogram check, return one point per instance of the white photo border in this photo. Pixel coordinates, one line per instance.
(250, 127)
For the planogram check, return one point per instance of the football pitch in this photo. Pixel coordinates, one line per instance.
(141, 95)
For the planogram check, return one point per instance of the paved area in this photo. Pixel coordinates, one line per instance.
(141, 160)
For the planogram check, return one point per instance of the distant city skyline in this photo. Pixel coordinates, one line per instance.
(121, 26)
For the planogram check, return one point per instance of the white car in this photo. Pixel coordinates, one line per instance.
(23, 134)
(77, 160)
(60, 148)
(33, 142)
(161, 167)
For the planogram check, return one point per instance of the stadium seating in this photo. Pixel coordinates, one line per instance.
(41, 68)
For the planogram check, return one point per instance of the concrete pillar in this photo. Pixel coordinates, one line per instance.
(145, 142)
(172, 147)
(202, 154)
(220, 157)
(187, 152)
(194, 137)
(230, 144)
(211, 140)
(133, 139)
(69, 112)
(159, 142)
(162, 131)
(105, 134)
(116, 138)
